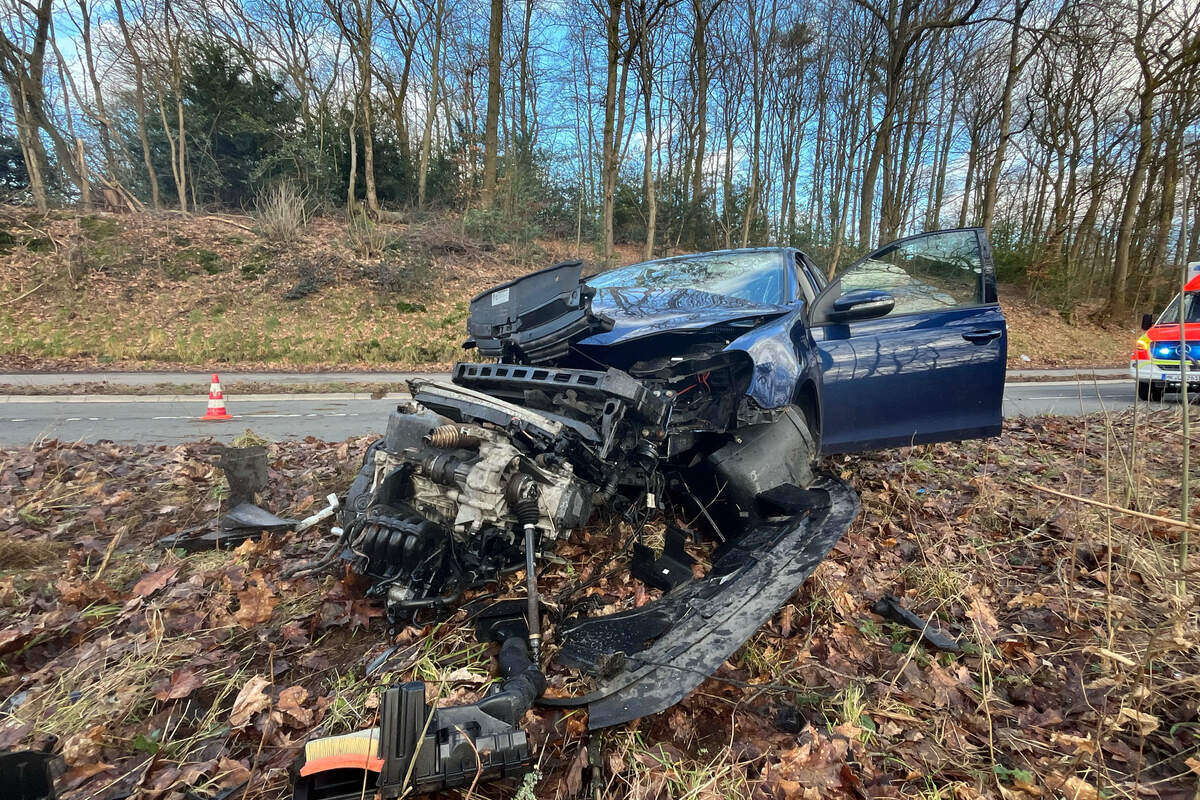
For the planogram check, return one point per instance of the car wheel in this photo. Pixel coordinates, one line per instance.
(1156, 393)
(1143, 390)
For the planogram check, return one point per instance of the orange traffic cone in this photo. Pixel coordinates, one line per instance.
(216, 403)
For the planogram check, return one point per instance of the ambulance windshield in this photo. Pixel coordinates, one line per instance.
(1191, 310)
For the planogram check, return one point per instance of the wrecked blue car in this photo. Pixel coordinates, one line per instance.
(702, 388)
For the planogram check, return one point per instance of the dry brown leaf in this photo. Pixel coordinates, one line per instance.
(183, 682)
(83, 748)
(1146, 723)
(292, 703)
(575, 770)
(816, 764)
(1031, 600)
(981, 613)
(231, 773)
(256, 603)
(462, 675)
(77, 775)
(150, 583)
(1072, 787)
(252, 699)
(1079, 745)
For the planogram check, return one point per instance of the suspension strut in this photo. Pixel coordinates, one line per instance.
(523, 499)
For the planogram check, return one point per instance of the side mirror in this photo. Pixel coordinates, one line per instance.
(1147, 321)
(860, 304)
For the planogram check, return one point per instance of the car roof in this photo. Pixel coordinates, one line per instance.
(707, 253)
(729, 251)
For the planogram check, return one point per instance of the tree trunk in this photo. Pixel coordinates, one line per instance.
(1115, 305)
(648, 165)
(431, 111)
(700, 50)
(366, 36)
(32, 152)
(139, 93)
(610, 143)
(491, 138)
(1010, 80)
(756, 102)
(351, 200)
(105, 125)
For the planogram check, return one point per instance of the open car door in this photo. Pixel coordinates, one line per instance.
(912, 344)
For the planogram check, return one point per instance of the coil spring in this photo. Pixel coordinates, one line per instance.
(450, 437)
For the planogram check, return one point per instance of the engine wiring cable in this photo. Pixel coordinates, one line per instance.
(306, 568)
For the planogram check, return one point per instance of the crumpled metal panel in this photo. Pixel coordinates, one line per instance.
(778, 367)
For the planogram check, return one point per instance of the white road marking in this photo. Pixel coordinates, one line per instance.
(197, 419)
(1085, 382)
(57, 399)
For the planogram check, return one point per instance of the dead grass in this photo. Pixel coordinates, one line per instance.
(282, 213)
(22, 554)
(112, 681)
(184, 291)
(658, 769)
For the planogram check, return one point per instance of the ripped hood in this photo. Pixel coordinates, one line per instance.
(638, 312)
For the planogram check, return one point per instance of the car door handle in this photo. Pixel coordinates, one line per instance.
(982, 335)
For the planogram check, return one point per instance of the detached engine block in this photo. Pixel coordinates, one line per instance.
(434, 509)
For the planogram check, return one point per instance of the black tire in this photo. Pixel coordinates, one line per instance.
(1152, 392)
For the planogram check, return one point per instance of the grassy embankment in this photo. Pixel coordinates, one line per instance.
(104, 291)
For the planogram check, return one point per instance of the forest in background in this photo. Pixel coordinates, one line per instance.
(1069, 130)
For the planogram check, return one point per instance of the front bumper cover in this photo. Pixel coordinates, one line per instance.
(699, 624)
(1168, 374)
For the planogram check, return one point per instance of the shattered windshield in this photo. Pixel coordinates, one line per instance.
(757, 277)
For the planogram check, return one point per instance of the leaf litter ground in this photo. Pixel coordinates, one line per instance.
(164, 675)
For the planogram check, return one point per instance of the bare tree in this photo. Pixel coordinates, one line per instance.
(904, 25)
(1165, 48)
(491, 135)
(356, 21)
(438, 12)
(139, 89)
(22, 66)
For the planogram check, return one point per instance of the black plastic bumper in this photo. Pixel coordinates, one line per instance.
(699, 624)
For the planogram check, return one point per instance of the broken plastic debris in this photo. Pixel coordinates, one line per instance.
(888, 606)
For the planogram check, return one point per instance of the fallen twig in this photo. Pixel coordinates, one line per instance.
(212, 217)
(19, 298)
(1119, 509)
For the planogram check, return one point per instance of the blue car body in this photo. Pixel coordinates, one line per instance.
(927, 375)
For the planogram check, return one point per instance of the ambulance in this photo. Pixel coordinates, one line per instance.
(1155, 361)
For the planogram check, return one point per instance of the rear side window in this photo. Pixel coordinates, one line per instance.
(928, 273)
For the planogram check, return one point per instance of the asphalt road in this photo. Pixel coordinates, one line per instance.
(171, 420)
